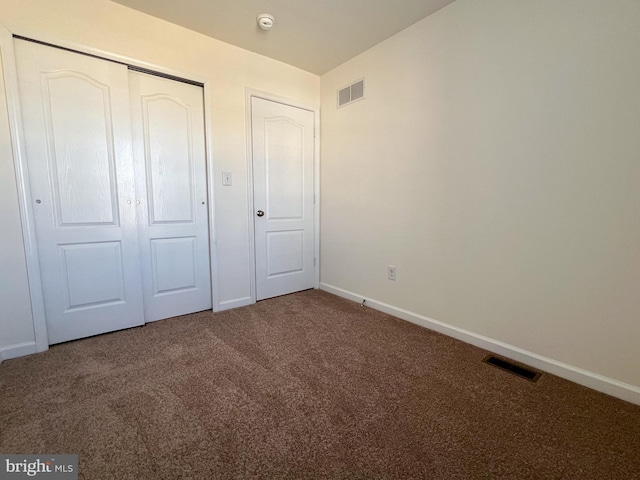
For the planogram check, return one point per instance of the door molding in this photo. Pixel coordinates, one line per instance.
(16, 127)
(10, 71)
(254, 93)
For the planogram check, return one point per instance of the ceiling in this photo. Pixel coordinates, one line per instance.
(314, 35)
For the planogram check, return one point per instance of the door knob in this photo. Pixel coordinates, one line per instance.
(260, 213)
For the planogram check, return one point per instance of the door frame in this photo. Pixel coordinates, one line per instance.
(254, 93)
(16, 130)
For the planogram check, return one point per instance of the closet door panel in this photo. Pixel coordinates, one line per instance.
(77, 117)
(169, 155)
(168, 132)
(78, 147)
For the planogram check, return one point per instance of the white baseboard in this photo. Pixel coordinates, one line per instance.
(17, 350)
(235, 303)
(603, 384)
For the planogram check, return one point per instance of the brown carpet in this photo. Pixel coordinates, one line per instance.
(305, 386)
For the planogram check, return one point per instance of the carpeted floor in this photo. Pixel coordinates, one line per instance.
(305, 386)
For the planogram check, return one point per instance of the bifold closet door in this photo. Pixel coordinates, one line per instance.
(116, 166)
(169, 151)
(77, 128)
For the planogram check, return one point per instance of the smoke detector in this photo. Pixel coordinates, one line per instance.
(265, 21)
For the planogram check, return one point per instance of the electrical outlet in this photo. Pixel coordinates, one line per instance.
(391, 273)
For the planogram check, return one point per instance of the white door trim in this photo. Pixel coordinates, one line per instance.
(10, 72)
(7, 54)
(250, 93)
(213, 238)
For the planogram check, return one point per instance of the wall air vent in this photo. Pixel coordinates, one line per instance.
(351, 93)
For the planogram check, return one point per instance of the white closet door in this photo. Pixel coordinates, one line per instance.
(78, 147)
(283, 174)
(169, 146)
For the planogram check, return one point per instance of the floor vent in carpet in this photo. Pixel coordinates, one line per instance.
(510, 367)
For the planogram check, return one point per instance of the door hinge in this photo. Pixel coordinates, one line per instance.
(314, 262)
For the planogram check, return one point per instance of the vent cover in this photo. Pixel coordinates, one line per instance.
(351, 93)
(521, 371)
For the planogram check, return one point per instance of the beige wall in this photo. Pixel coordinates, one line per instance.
(496, 163)
(113, 28)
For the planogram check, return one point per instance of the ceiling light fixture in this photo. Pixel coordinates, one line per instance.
(265, 21)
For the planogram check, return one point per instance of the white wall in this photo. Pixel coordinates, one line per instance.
(110, 27)
(496, 163)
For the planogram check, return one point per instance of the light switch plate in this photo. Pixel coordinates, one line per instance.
(226, 179)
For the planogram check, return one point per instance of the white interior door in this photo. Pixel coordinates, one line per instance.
(78, 147)
(283, 175)
(169, 146)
